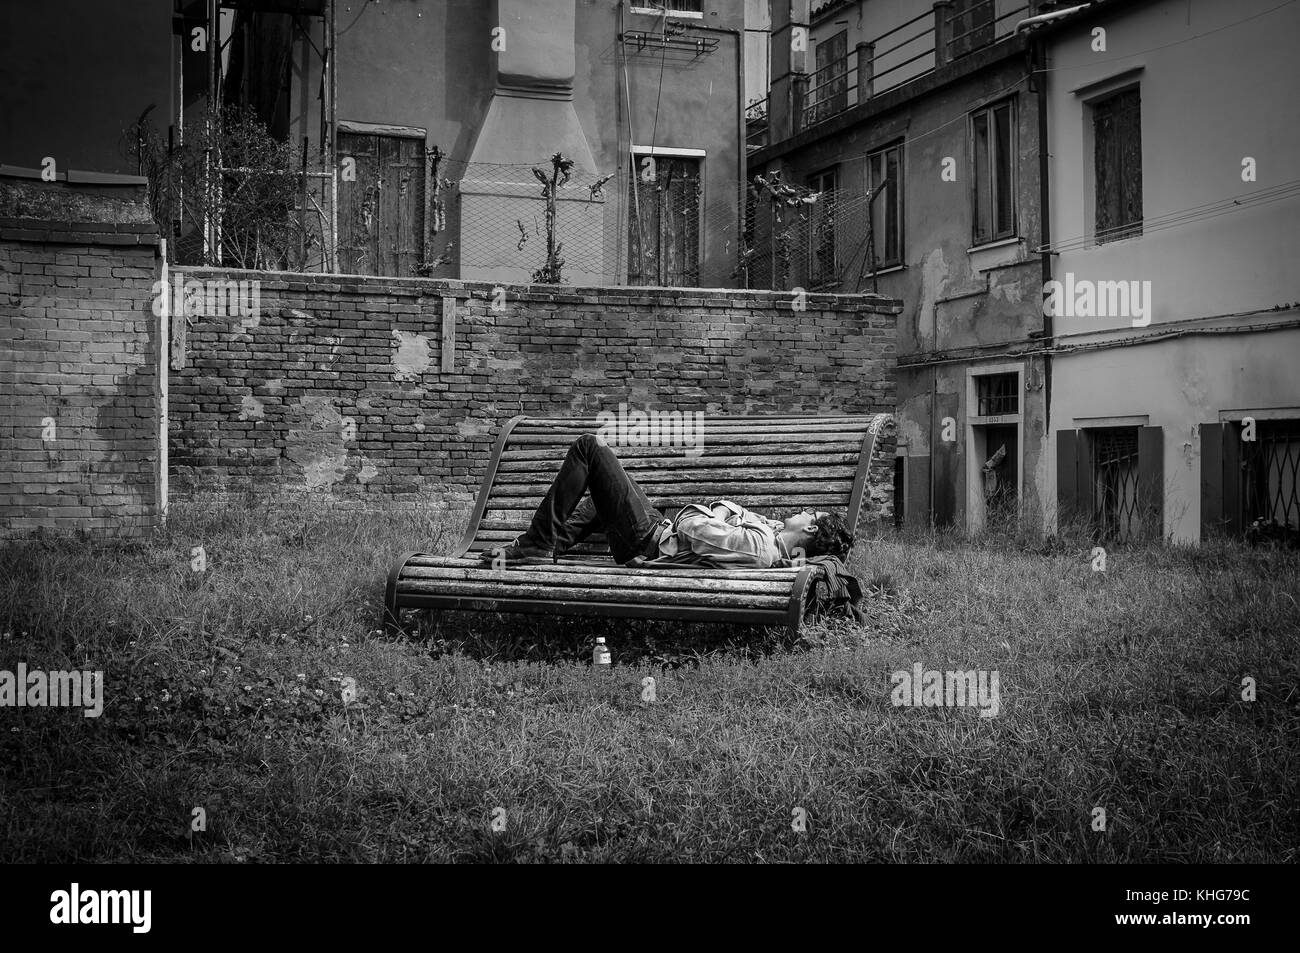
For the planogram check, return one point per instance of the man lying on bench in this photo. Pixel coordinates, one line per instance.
(719, 535)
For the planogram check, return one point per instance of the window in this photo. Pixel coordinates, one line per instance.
(690, 8)
(1117, 164)
(1115, 507)
(994, 467)
(822, 266)
(1252, 486)
(828, 91)
(972, 26)
(1113, 479)
(1270, 465)
(884, 180)
(993, 146)
(664, 221)
(997, 394)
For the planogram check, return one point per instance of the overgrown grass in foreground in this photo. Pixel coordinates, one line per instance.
(1119, 690)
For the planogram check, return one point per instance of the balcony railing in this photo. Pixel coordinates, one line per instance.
(900, 55)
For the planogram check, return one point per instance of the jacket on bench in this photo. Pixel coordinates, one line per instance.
(741, 540)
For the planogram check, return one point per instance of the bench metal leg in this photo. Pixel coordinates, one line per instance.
(392, 621)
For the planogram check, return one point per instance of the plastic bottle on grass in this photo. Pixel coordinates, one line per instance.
(600, 655)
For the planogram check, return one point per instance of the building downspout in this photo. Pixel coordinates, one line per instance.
(333, 143)
(1038, 82)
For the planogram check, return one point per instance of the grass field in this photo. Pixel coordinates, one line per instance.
(1119, 690)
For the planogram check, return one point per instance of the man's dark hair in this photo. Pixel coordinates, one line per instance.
(834, 538)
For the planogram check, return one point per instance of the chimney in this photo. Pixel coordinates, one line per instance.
(529, 118)
(790, 61)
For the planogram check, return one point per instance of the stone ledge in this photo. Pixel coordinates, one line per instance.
(643, 296)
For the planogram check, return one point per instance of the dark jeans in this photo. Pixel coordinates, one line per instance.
(616, 506)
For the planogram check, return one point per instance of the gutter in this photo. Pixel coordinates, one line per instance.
(1188, 328)
(1030, 22)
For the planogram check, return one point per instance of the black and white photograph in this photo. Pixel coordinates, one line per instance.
(651, 432)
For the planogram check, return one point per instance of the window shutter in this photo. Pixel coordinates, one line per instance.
(1211, 478)
(1070, 502)
(918, 491)
(1231, 445)
(1151, 478)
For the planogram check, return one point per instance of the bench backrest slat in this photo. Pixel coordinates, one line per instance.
(772, 465)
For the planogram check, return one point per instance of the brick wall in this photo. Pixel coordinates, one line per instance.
(80, 386)
(267, 399)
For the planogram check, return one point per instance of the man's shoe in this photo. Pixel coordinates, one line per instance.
(514, 553)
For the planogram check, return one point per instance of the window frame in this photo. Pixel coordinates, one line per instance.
(1013, 148)
(685, 14)
(895, 194)
(828, 100)
(976, 512)
(966, 34)
(1093, 193)
(816, 182)
(1076, 473)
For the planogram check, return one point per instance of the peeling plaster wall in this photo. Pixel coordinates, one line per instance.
(79, 363)
(340, 387)
(954, 296)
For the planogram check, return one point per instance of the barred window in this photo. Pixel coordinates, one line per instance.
(672, 6)
(1116, 508)
(1270, 465)
(1113, 479)
(997, 394)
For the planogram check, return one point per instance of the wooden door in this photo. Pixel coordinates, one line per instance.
(381, 211)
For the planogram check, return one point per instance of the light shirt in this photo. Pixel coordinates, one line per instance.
(741, 540)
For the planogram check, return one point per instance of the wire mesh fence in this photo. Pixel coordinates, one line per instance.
(234, 196)
(798, 237)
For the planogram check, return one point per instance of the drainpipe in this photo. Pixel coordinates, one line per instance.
(1038, 80)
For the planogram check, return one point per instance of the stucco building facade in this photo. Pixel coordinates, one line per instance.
(917, 124)
(1175, 210)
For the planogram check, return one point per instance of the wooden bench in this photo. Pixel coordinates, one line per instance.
(769, 464)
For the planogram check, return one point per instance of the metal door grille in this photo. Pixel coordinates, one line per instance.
(1270, 464)
(997, 394)
(1115, 470)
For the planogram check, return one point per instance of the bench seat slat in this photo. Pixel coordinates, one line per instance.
(759, 502)
(607, 567)
(543, 477)
(660, 610)
(698, 491)
(710, 420)
(506, 589)
(520, 460)
(738, 438)
(575, 576)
